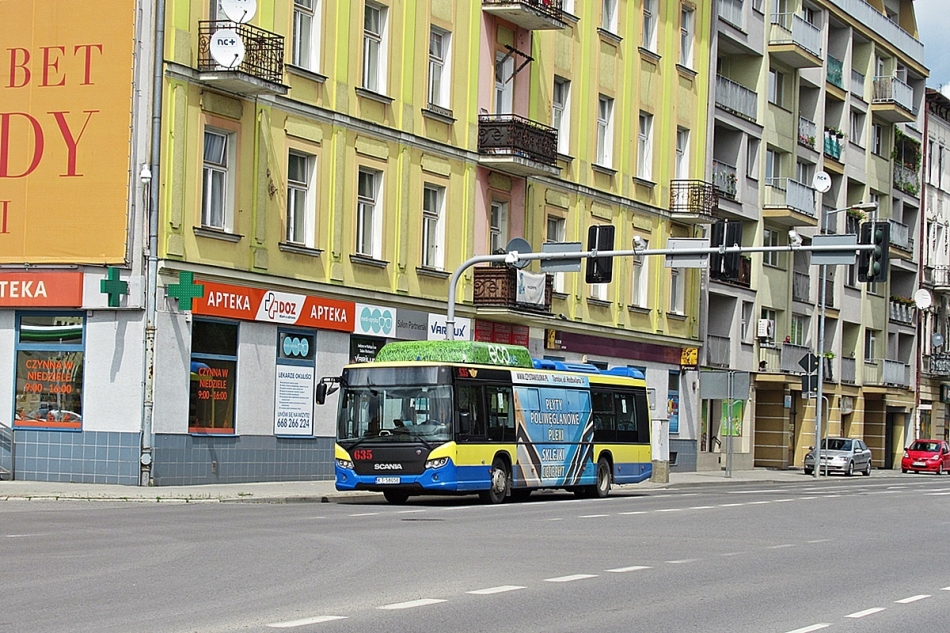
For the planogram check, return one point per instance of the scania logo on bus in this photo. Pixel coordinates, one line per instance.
(388, 466)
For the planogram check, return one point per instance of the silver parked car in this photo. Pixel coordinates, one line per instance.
(841, 455)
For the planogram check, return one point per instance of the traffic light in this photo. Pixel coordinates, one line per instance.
(600, 237)
(725, 266)
(872, 264)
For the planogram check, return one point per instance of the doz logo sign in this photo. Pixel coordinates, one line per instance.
(374, 320)
(294, 346)
(280, 307)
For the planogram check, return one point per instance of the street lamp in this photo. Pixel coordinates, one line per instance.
(861, 206)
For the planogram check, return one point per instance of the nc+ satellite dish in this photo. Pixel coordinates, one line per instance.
(227, 48)
(239, 11)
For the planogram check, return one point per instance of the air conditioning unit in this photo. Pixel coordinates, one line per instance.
(766, 328)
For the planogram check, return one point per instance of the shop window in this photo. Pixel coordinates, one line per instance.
(213, 377)
(49, 371)
(296, 356)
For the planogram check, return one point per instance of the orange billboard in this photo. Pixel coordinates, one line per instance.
(65, 130)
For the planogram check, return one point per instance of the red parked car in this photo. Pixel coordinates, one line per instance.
(927, 455)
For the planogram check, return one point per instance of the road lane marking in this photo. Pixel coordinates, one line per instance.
(752, 492)
(570, 578)
(411, 604)
(592, 516)
(945, 589)
(494, 590)
(781, 500)
(365, 514)
(623, 570)
(409, 511)
(782, 546)
(732, 553)
(813, 627)
(912, 599)
(730, 505)
(635, 512)
(758, 503)
(861, 614)
(819, 540)
(936, 494)
(305, 621)
(701, 508)
(683, 561)
(669, 509)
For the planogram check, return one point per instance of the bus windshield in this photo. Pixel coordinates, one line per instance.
(397, 414)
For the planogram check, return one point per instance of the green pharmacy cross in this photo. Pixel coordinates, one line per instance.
(113, 287)
(185, 290)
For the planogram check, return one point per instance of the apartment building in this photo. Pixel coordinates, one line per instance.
(804, 87)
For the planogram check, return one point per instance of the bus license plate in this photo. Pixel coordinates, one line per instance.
(387, 480)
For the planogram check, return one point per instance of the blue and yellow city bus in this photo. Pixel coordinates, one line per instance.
(450, 417)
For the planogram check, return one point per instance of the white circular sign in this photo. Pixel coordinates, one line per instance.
(937, 339)
(821, 182)
(239, 11)
(227, 49)
(923, 299)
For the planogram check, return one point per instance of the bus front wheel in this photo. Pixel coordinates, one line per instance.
(396, 497)
(500, 483)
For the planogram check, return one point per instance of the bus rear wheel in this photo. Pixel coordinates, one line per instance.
(500, 483)
(396, 497)
(602, 488)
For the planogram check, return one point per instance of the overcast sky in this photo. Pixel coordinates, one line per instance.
(933, 22)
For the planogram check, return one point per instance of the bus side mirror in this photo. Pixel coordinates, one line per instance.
(321, 395)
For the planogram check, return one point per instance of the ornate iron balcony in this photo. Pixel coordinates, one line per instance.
(263, 57)
(695, 197)
(516, 136)
(497, 286)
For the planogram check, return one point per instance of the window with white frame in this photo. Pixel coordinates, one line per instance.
(498, 227)
(870, 345)
(556, 231)
(561, 113)
(682, 153)
(433, 232)
(768, 314)
(504, 83)
(686, 36)
(806, 172)
(605, 127)
(857, 127)
(877, 139)
(599, 291)
(648, 40)
(368, 214)
(640, 282)
(217, 181)
(374, 54)
(439, 68)
(608, 18)
(748, 308)
(752, 157)
(776, 87)
(300, 199)
(771, 237)
(645, 146)
(773, 168)
(799, 332)
(677, 290)
(306, 43)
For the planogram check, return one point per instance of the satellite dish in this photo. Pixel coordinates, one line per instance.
(821, 182)
(522, 246)
(227, 48)
(937, 339)
(922, 299)
(239, 11)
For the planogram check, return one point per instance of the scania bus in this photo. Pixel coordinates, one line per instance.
(451, 417)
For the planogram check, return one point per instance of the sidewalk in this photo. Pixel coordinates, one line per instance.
(325, 492)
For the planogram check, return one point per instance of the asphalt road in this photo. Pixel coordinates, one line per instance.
(850, 555)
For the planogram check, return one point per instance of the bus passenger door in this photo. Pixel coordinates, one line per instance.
(471, 437)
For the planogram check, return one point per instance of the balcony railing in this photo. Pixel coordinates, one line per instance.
(829, 288)
(905, 179)
(888, 30)
(770, 359)
(832, 146)
(902, 312)
(785, 192)
(830, 220)
(828, 369)
(791, 356)
(801, 286)
(896, 373)
(528, 14)
(893, 90)
(718, 350)
(835, 72)
(725, 177)
(791, 28)
(694, 197)
(807, 132)
(736, 98)
(849, 371)
(731, 12)
(939, 364)
(513, 135)
(857, 83)
(941, 277)
(497, 286)
(263, 56)
(900, 236)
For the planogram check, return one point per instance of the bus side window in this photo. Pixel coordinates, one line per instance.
(643, 415)
(605, 421)
(501, 419)
(471, 412)
(626, 417)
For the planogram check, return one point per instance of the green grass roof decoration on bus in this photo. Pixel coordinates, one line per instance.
(474, 352)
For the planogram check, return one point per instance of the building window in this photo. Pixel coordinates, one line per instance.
(799, 331)
(806, 172)
(605, 126)
(686, 37)
(368, 215)
(374, 58)
(870, 345)
(504, 83)
(300, 199)
(213, 377)
(498, 227)
(773, 168)
(649, 25)
(748, 309)
(677, 290)
(561, 113)
(682, 153)
(776, 87)
(439, 79)
(752, 158)
(306, 35)
(639, 292)
(608, 20)
(216, 181)
(49, 371)
(771, 238)
(877, 139)
(433, 250)
(771, 316)
(599, 291)
(556, 230)
(645, 147)
(857, 128)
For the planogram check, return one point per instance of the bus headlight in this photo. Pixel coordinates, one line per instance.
(437, 463)
(343, 463)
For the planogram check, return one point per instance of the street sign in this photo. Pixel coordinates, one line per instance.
(561, 265)
(809, 363)
(714, 385)
(687, 261)
(809, 385)
(833, 258)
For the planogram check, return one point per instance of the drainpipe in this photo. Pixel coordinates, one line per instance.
(151, 275)
(921, 262)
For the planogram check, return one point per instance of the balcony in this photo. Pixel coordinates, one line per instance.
(718, 350)
(906, 179)
(789, 203)
(939, 364)
(801, 286)
(736, 98)
(832, 146)
(260, 72)
(849, 371)
(941, 278)
(807, 132)
(828, 369)
(791, 357)
(888, 30)
(902, 311)
(896, 373)
(901, 239)
(533, 15)
(893, 100)
(835, 72)
(725, 177)
(518, 146)
(497, 287)
(794, 41)
(693, 201)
